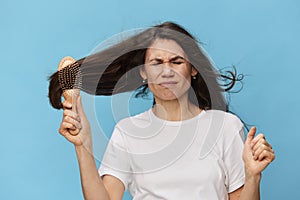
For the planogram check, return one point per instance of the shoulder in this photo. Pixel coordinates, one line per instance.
(226, 124)
(138, 118)
(222, 129)
(228, 120)
(128, 126)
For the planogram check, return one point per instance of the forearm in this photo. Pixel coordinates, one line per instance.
(92, 185)
(251, 189)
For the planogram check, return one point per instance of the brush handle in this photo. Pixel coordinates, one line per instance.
(70, 95)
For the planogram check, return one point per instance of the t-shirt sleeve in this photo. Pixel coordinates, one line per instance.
(115, 161)
(233, 157)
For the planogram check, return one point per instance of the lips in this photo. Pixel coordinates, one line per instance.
(168, 84)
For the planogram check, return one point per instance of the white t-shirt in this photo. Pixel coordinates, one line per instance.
(198, 158)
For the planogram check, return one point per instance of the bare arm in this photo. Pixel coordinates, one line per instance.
(114, 187)
(250, 191)
(93, 187)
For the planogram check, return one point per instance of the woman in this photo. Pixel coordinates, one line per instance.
(187, 146)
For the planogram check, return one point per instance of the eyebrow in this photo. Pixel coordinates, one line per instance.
(177, 57)
(172, 59)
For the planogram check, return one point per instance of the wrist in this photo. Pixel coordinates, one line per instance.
(82, 149)
(253, 178)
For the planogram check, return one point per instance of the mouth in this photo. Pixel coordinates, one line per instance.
(168, 84)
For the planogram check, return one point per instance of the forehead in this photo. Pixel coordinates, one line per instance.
(164, 48)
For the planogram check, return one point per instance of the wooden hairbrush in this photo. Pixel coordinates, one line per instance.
(70, 95)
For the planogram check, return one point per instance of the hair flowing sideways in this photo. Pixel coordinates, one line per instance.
(116, 69)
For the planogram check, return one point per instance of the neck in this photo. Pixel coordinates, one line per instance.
(175, 110)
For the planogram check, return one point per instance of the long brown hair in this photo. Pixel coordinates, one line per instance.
(114, 69)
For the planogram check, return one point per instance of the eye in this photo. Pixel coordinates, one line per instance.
(177, 62)
(155, 63)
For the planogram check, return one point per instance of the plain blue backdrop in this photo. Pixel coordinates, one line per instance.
(260, 37)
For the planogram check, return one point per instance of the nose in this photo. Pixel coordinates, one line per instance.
(167, 72)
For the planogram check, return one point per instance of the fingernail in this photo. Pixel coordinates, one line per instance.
(255, 157)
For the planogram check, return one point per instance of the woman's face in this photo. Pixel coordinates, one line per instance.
(167, 71)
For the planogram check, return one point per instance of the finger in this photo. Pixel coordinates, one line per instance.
(75, 131)
(67, 105)
(72, 121)
(251, 134)
(259, 143)
(71, 114)
(267, 155)
(65, 126)
(260, 150)
(68, 126)
(257, 138)
(79, 106)
(74, 102)
(74, 109)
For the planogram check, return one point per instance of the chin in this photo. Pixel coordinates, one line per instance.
(167, 96)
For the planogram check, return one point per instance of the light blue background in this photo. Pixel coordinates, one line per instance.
(260, 37)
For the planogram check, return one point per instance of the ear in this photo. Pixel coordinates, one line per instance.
(194, 72)
(143, 73)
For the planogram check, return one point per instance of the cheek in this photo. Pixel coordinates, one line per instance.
(185, 73)
(152, 75)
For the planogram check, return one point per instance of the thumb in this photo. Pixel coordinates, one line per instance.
(251, 134)
(79, 107)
